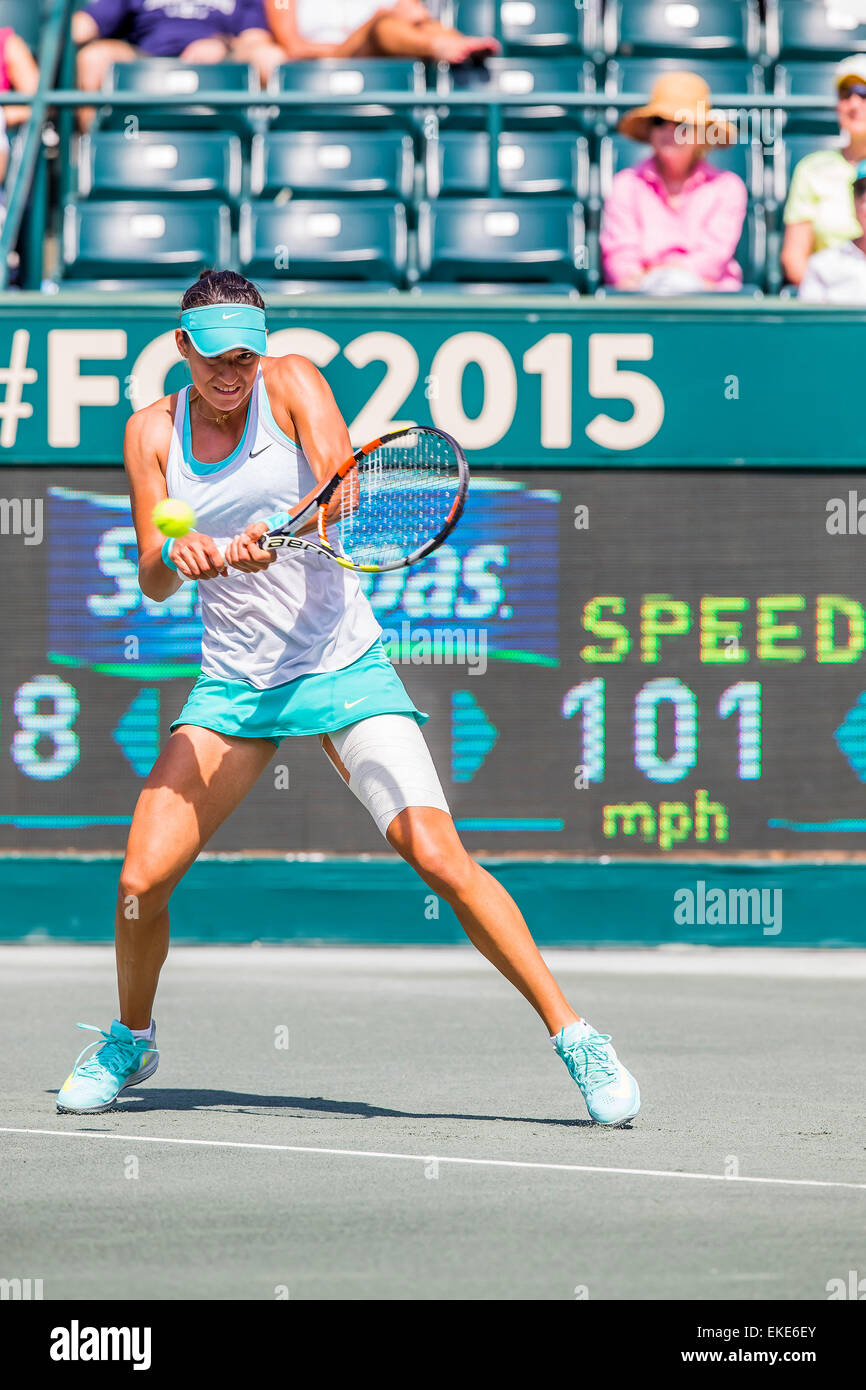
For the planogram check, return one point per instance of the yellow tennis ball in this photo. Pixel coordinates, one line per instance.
(173, 518)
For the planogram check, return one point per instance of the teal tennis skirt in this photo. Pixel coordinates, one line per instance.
(314, 704)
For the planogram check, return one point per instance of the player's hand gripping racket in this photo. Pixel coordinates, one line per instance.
(391, 504)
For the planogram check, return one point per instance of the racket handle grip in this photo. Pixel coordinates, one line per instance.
(278, 542)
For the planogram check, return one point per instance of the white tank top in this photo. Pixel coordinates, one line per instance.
(332, 21)
(304, 613)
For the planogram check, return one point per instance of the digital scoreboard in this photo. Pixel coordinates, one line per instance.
(633, 664)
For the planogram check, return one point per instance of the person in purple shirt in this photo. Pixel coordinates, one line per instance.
(196, 31)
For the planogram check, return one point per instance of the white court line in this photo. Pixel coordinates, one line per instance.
(430, 1158)
(44, 959)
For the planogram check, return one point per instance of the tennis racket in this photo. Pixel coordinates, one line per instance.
(389, 505)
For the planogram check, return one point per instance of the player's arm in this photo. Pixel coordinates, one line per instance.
(300, 393)
(320, 428)
(797, 247)
(145, 445)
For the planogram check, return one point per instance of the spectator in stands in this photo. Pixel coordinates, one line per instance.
(18, 73)
(671, 224)
(367, 29)
(819, 212)
(208, 31)
(837, 275)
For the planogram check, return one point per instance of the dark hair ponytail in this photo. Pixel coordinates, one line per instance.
(221, 287)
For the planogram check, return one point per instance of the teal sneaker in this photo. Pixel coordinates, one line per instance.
(611, 1093)
(122, 1060)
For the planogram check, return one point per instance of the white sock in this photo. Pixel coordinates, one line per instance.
(144, 1032)
(582, 1029)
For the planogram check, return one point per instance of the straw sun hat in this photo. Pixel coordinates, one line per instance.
(685, 98)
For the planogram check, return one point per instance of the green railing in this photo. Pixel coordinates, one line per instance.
(50, 48)
(474, 97)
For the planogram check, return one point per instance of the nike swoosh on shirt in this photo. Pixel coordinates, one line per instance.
(348, 704)
(254, 453)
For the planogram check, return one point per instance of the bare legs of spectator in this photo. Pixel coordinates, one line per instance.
(403, 30)
(391, 36)
(213, 49)
(258, 47)
(92, 64)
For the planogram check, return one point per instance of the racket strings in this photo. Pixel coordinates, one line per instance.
(400, 498)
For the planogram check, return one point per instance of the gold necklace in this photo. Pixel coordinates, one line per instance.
(211, 419)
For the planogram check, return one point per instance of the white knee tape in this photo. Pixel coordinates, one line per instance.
(389, 766)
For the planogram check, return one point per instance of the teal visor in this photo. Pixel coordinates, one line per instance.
(221, 328)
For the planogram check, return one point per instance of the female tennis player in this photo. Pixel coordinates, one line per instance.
(290, 647)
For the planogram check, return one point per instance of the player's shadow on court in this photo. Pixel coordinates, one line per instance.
(238, 1103)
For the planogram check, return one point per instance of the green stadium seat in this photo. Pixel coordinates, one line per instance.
(805, 29)
(554, 27)
(157, 164)
(502, 77)
(705, 29)
(22, 16)
(167, 75)
(637, 75)
(324, 78)
(430, 289)
(325, 241)
(812, 80)
(752, 252)
(529, 163)
(127, 245)
(502, 240)
(330, 164)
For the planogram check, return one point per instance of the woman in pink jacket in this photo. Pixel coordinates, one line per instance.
(672, 223)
